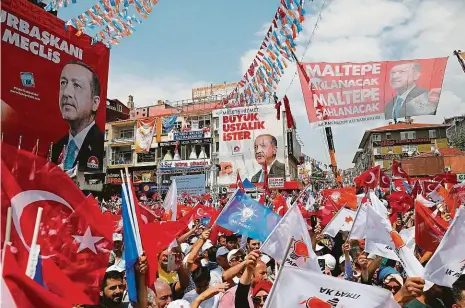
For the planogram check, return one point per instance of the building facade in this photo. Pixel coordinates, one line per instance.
(379, 146)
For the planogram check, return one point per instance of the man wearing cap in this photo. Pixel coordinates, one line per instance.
(390, 279)
(116, 255)
(222, 261)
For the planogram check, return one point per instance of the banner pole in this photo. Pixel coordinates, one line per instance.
(7, 233)
(34, 240)
(273, 288)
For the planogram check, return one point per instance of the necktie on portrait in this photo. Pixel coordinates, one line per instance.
(397, 106)
(70, 155)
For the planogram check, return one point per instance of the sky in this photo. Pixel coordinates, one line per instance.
(185, 44)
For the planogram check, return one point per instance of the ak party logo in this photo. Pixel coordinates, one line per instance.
(315, 302)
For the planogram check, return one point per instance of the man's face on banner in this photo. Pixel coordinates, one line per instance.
(265, 150)
(404, 76)
(76, 98)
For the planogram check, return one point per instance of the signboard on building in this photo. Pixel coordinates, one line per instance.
(391, 156)
(113, 176)
(192, 184)
(276, 182)
(143, 176)
(189, 135)
(460, 177)
(345, 93)
(183, 164)
(213, 90)
(387, 143)
(40, 62)
(185, 142)
(249, 136)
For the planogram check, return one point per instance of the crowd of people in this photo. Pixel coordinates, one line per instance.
(226, 270)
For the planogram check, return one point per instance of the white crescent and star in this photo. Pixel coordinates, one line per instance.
(429, 187)
(200, 212)
(372, 178)
(20, 201)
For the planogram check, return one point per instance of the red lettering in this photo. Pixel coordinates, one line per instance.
(236, 136)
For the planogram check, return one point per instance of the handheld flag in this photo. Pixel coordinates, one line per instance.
(342, 221)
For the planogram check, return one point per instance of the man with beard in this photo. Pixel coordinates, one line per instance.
(266, 147)
(79, 100)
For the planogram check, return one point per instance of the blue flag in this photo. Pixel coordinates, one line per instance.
(131, 254)
(244, 215)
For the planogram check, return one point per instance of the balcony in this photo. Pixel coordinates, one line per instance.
(124, 140)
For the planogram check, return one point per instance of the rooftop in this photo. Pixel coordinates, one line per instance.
(444, 152)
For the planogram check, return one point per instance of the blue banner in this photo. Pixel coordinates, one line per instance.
(192, 134)
(192, 184)
(244, 215)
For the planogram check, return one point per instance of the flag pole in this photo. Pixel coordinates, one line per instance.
(133, 211)
(19, 143)
(7, 233)
(273, 288)
(32, 251)
(37, 147)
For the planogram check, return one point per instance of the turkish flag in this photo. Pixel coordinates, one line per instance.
(239, 183)
(280, 205)
(147, 215)
(429, 228)
(446, 178)
(398, 171)
(416, 190)
(368, 178)
(429, 186)
(74, 236)
(400, 201)
(384, 180)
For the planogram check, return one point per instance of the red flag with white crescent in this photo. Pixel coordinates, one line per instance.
(398, 171)
(368, 178)
(239, 183)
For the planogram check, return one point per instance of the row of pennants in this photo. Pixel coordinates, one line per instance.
(114, 22)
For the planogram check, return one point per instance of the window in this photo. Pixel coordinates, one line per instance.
(106, 134)
(389, 150)
(217, 146)
(377, 151)
(388, 136)
(407, 135)
(126, 133)
(120, 108)
(376, 137)
(409, 148)
(432, 133)
(121, 156)
(204, 121)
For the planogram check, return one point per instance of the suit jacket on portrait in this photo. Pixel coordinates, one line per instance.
(277, 170)
(407, 108)
(92, 146)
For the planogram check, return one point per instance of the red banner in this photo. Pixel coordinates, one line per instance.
(343, 93)
(54, 86)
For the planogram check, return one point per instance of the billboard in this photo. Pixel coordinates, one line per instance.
(194, 185)
(249, 136)
(343, 93)
(144, 134)
(54, 86)
(213, 90)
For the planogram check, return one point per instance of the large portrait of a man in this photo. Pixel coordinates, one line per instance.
(410, 99)
(79, 100)
(265, 149)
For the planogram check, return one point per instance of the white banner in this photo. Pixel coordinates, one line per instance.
(144, 134)
(302, 288)
(249, 136)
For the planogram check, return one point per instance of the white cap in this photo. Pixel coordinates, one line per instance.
(179, 303)
(343, 259)
(222, 251)
(206, 246)
(319, 247)
(117, 237)
(233, 253)
(330, 261)
(115, 268)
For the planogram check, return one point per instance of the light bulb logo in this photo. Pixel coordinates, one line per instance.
(246, 214)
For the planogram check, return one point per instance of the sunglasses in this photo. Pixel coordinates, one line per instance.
(259, 299)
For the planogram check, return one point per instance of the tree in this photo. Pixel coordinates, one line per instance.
(458, 140)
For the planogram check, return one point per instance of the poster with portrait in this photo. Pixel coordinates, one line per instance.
(249, 137)
(54, 86)
(145, 129)
(346, 93)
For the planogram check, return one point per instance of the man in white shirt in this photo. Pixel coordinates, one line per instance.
(266, 147)
(201, 277)
(216, 274)
(79, 100)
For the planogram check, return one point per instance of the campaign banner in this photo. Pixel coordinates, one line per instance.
(343, 93)
(144, 134)
(188, 135)
(249, 137)
(54, 85)
(143, 176)
(213, 90)
(191, 184)
(184, 164)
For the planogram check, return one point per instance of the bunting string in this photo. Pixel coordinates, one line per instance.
(274, 54)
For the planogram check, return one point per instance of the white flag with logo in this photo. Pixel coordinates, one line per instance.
(300, 288)
(448, 261)
(378, 235)
(342, 221)
(359, 227)
(301, 253)
(408, 235)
